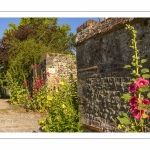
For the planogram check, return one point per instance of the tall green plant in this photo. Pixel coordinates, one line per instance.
(63, 114)
(135, 119)
(16, 90)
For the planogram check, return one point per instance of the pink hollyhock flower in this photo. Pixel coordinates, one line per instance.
(142, 82)
(145, 101)
(35, 89)
(57, 80)
(133, 101)
(42, 80)
(132, 88)
(48, 74)
(137, 113)
(37, 83)
(25, 83)
(29, 96)
(35, 66)
(132, 108)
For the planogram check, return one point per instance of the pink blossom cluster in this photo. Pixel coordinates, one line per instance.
(38, 83)
(134, 103)
(35, 66)
(134, 107)
(25, 83)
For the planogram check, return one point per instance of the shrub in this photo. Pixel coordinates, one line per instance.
(63, 114)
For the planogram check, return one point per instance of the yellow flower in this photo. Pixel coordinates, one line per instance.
(63, 106)
(119, 126)
(49, 97)
(56, 90)
(62, 83)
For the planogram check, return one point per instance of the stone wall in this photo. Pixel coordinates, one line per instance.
(58, 65)
(102, 52)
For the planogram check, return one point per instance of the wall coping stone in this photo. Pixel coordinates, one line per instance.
(91, 28)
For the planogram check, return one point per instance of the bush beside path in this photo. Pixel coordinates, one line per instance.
(15, 118)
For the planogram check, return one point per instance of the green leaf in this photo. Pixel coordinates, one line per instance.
(144, 116)
(127, 67)
(126, 97)
(143, 61)
(139, 40)
(124, 119)
(144, 89)
(142, 107)
(128, 83)
(133, 79)
(146, 76)
(133, 64)
(145, 70)
(148, 95)
(140, 66)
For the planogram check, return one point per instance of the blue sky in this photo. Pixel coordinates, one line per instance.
(73, 22)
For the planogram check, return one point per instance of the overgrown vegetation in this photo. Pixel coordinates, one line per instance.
(25, 45)
(63, 112)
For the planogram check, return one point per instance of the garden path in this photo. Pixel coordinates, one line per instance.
(14, 118)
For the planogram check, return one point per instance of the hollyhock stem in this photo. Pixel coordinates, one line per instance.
(137, 75)
(139, 85)
(135, 122)
(136, 57)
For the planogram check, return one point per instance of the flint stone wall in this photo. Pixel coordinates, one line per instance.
(58, 65)
(102, 52)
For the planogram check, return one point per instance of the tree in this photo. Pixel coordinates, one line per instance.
(25, 44)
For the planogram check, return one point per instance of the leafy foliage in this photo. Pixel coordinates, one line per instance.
(126, 97)
(144, 89)
(124, 119)
(63, 115)
(146, 76)
(137, 89)
(26, 44)
(144, 70)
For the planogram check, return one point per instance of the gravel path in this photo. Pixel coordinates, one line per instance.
(14, 118)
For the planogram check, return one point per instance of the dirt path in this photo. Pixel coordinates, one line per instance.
(14, 118)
